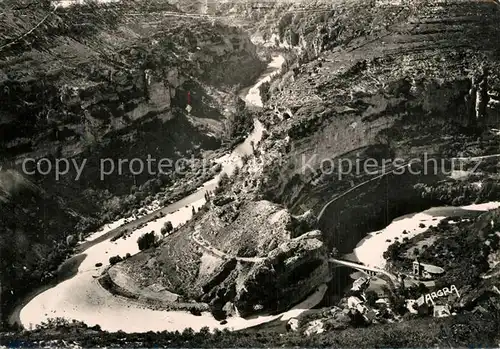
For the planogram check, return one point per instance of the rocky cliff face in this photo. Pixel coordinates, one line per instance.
(120, 78)
(379, 81)
(287, 275)
(239, 255)
(372, 81)
(383, 82)
(93, 82)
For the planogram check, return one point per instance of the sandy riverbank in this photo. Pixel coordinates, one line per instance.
(370, 250)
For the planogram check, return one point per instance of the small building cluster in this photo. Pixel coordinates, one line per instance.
(358, 302)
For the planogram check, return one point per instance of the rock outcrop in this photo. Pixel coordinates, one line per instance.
(378, 82)
(257, 266)
(372, 81)
(285, 277)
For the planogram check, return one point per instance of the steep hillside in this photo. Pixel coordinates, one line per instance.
(375, 85)
(92, 82)
(387, 82)
(233, 255)
(371, 92)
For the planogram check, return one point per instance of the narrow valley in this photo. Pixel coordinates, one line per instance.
(250, 174)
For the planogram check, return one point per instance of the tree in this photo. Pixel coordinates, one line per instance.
(421, 288)
(392, 253)
(205, 330)
(398, 304)
(236, 172)
(146, 241)
(264, 91)
(167, 228)
(115, 259)
(188, 333)
(356, 319)
(223, 182)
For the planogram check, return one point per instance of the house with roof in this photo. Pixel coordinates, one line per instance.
(356, 303)
(360, 284)
(442, 310)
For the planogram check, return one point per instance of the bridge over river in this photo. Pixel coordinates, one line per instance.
(370, 271)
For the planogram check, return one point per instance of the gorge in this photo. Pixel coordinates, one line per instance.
(275, 93)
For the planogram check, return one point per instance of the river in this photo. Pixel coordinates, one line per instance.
(82, 298)
(370, 250)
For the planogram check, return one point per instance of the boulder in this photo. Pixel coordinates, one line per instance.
(289, 273)
(292, 325)
(229, 309)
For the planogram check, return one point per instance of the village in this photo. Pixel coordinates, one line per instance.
(378, 297)
(407, 285)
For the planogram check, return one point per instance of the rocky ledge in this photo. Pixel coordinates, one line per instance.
(266, 266)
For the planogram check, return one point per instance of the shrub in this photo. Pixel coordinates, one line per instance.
(146, 241)
(167, 228)
(115, 259)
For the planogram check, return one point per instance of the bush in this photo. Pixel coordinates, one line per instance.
(115, 259)
(146, 241)
(167, 228)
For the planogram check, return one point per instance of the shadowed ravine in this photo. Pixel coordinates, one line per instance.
(80, 286)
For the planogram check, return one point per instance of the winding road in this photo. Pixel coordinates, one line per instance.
(81, 297)
(322, 212)
(198, 239)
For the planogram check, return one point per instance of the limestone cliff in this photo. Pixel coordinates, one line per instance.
(257, 266)
(92, 82)
(287, 275)
(379, 81)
